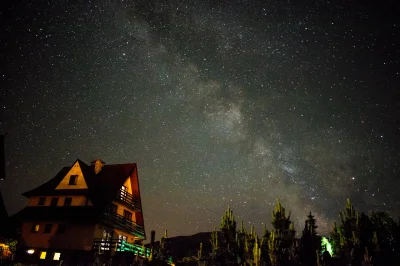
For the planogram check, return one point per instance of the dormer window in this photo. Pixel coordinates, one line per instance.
(72, 180)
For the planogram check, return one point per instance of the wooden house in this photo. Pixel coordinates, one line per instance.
(83, 210)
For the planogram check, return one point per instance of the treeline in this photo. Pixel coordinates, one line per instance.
(358, 239)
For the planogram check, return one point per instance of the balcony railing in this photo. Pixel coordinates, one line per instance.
(118, 245)
(123, 223)
(130, 200)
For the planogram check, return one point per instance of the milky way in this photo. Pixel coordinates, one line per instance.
(219, 104)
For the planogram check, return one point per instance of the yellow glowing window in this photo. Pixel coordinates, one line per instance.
(56, 256)
(42, 255)
(35, 228)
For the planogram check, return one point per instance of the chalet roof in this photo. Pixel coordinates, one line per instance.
(102, 187)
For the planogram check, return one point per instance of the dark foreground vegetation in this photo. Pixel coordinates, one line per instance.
(358, 239)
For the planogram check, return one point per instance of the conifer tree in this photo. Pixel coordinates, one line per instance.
(282, 236)
(310, 242)
(164, 253)
(215, 242)
(228, 229)
(264, 246)
(354, 236)
(251, 239)
(241, 244)
(256, 253)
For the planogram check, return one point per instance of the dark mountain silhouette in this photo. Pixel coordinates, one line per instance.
(187, 246)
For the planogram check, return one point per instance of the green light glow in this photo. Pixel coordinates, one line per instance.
(137, 250)
(328, 247)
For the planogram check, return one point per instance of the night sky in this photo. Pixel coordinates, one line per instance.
(218, 102)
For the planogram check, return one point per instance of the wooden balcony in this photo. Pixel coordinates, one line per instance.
(120, 222)
(129, 200)
(117, 245)
(102, 245)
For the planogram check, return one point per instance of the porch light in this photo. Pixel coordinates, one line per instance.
(30, 251)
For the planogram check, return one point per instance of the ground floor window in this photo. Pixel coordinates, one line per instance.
(43, 255)
(106, 240)
(56, 256)
(122, 238)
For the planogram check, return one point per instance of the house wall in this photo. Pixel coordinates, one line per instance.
(77, 237)
(122, 207)
(136, 192)
(128, 185)
(76, 201)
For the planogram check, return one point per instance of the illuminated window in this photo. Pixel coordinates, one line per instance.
(67, 201)
(122, 238)
(43, 255)
(47, 228)
(54, 202)
(61, 229)
(42, 201)
(35, 228)
(56, 256)
(107, 237)
(72, 180)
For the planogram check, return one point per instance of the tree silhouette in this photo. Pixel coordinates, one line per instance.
(310, 242)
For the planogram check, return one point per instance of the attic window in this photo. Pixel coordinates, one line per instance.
(72, 179)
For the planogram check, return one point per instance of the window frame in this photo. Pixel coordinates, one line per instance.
(127, 215)
(43, 255)
(56, 255)
(54, 201)
(34, 226)
(73, 180)
(47, 228)
(42, 201)
(68, 199)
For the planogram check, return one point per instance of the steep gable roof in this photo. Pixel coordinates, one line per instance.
(101, 187)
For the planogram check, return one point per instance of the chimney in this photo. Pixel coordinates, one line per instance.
(97, 165)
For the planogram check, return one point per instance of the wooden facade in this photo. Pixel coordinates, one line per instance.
(84, 209)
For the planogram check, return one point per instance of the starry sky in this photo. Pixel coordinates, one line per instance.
(218, 102)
